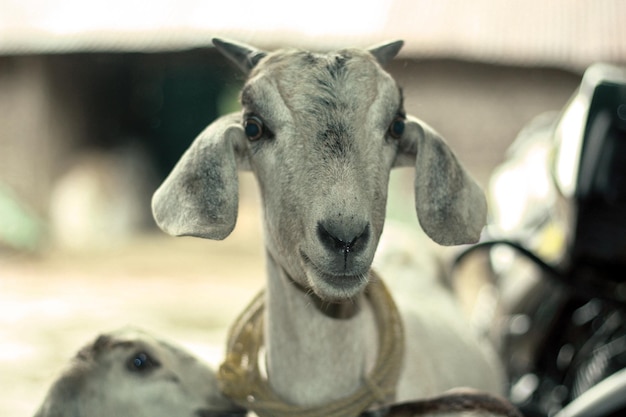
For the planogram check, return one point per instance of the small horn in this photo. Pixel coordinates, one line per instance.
(244, 56)
(386, 51)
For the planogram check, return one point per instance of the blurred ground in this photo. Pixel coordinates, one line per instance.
(186, 290)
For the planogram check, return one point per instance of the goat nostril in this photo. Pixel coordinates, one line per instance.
(326, 237)
(360, 242)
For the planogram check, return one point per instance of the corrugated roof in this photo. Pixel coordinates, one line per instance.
(562, 33)
(572, 33)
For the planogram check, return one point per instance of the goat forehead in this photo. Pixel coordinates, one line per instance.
(317, 86)
(303, 63)
(333, 105)
(339, 82)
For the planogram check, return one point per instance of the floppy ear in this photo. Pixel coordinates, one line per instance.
(450, 205)
(65, 394)
(200, 196)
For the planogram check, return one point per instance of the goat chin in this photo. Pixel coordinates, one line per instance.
(335, 288)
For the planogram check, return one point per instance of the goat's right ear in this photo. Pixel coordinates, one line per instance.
(200, 197)
(64, 396)
(244, 56)
(451, 206)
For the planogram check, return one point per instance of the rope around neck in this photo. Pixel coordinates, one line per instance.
(240, 378)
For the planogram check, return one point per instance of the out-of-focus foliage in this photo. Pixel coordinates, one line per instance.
(20, 229)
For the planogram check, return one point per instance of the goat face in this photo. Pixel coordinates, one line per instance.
(130, 373)
(321, 133)
(320, 147)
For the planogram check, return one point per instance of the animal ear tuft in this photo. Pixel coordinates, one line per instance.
(450, 205)
(386, 52)
(200, 196)
(244, 56)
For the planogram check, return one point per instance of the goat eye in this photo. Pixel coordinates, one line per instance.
(141, 362)
(253, 126)
(396, 128)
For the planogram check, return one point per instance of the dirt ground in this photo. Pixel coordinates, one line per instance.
(185, 290)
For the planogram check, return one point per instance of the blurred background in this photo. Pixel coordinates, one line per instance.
(98, 100)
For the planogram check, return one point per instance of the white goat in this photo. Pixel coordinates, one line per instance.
(128, 373)
(321, 132)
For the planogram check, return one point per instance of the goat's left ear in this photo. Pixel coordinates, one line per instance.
(200, 197)
(450, 205)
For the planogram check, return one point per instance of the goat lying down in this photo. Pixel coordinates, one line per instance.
(129, 373)
(321, 132)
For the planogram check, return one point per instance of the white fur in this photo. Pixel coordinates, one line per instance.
(100, 383)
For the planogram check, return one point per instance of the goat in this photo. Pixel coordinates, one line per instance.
(130, 373)
(321, 132)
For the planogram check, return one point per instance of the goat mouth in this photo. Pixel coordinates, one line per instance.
(333, 287)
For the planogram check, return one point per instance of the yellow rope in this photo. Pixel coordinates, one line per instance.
(241, 380)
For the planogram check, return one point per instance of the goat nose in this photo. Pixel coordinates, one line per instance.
(343, 239)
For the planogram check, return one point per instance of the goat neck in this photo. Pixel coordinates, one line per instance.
(304, 345)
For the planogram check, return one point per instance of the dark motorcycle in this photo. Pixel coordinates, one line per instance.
(557, 253)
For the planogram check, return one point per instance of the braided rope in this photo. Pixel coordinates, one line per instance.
(240, 378)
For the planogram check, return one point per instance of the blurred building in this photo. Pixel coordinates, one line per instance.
(90, 84)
